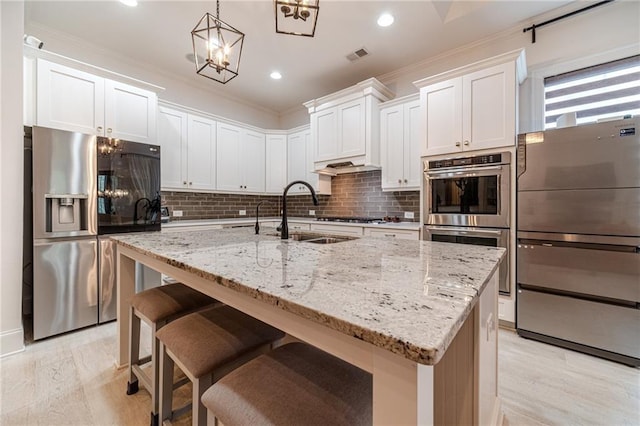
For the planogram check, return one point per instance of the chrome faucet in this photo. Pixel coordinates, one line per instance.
(284, 228)
(258, 215)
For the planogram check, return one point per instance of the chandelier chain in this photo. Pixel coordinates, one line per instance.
(218, 9)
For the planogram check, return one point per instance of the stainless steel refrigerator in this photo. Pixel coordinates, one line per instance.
(578, 248)
(65, 263)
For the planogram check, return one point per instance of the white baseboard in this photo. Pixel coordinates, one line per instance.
(11, 342)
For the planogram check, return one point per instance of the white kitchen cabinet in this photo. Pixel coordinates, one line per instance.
(300, 160)
(401, 234)
(240, 159)
(473, 107)
(345, 125)
(78, 101)
(276, 163)
(188, 150)
(351, 231)
(400, 145)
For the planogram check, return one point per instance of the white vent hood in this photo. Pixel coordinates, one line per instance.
(345, 128)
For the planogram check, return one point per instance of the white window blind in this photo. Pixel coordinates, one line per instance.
(604, 91)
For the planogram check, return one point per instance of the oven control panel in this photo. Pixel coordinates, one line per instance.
(466, 161)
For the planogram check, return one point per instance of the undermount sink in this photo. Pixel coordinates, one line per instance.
(320, 239)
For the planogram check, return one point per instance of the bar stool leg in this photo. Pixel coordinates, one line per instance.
(134, 351)
(198, 410)
(155, 373)
(166, 385)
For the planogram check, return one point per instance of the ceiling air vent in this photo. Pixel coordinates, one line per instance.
(360, 53)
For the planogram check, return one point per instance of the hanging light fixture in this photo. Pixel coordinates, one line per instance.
(297, 17)
(217, 47)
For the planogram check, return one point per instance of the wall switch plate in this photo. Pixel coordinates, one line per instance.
(177, 213)
(408, 215)
(242, 212)
(312, 212)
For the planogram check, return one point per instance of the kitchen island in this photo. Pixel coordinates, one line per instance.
(420, 316)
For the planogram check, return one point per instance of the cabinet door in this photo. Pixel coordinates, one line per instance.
(442, 106)
(326, 134)
(68, 99)
(130, 112)
(228, 172)
(276, 163)
(172, 138)
(351, 129)
(252, 161)
(297, 163)
(489, 107)
(392, 141)
(201, 153)
(412, 163)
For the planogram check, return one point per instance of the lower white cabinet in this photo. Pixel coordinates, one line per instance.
(240, 159)
(402, 234)
(188, 150)
(352, 231)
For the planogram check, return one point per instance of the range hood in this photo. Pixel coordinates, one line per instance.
(334, 169)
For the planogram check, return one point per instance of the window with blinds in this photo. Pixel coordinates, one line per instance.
(606, 91)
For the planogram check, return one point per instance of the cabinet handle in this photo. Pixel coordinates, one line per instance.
(100, 128)
(405, 181)
(399, 180)
(466, 142)
(184, 182)
(108, 129)
(457, 143)
(190, 183)
(389, 235)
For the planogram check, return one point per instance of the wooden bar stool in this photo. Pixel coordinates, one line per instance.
(157, 307)
(206, 345)
(295, 384)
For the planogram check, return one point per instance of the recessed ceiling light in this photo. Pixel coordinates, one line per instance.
(276, 75)
(130, 3)
(385, 20)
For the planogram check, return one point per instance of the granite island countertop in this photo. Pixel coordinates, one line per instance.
(408, 297)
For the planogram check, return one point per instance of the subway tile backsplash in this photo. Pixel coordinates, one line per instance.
(356, 194)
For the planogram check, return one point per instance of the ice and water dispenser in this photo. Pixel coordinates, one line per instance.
(66, 213)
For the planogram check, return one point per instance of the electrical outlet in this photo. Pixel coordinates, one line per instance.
(177, 213)
(408, 215)
(312, 212)
(242, 212)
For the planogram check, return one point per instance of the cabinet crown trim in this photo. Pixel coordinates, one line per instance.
(517, 56)
(400, 101)
(370, 86)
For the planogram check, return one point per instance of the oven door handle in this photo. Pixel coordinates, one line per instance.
(462, 171)
(464, 231)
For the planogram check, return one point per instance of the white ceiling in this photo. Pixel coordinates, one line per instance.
(157, 34)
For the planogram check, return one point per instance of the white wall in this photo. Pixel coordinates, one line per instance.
(602, 34)
(11, 180)
(178, 91)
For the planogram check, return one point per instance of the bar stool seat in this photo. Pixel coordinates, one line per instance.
(295, 384)
(206, 345)
(157, 306)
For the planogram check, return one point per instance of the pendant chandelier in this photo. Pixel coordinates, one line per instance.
(297, 17)
(217, 47)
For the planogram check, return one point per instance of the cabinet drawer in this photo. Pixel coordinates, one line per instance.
(402, 234)
(353, 231)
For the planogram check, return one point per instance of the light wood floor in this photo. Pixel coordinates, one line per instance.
(71, 380)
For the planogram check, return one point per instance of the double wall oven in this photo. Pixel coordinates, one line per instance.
(467, 201)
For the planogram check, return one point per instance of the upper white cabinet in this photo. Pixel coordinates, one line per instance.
(473, 107)
(300, 159)
(77, 101)
(345, 125)
(188, 150)
(276, 163)
(400, 144)
(240, 159)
